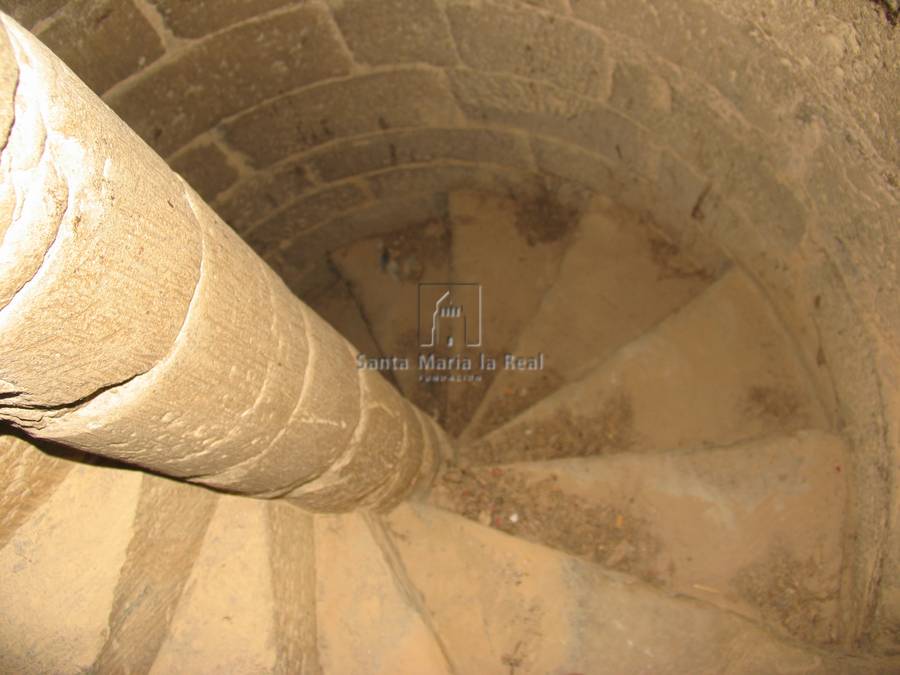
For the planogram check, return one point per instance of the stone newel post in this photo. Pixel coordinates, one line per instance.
(134, 324)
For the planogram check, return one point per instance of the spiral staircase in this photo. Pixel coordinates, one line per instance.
(696, 478)
(666, 495)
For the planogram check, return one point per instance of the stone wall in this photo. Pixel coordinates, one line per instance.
(766, 131)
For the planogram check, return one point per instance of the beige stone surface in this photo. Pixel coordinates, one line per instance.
(510, 600)
(28, 477)
(113, 41)
(719, 371)
(29, 13)
(338, 307)
(256, 197)
(530, 44)
(170, 521)
(369, 622)
(383, 33)
(365, 103)
(387, 293)
(205, 167)
(194, 360)
(619, 277)
(55, 607)
(208, 81)
(195, 19)
(300, 215)
(761, 132)
(754, 528)
(532, 231)
(359, 155)
(224, 621)
(44, 170)
(292, 559)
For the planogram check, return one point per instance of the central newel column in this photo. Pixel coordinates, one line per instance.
(136, 325)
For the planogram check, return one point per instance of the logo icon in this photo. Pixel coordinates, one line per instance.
(450, 315)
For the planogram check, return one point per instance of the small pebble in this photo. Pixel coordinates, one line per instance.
(514, 518)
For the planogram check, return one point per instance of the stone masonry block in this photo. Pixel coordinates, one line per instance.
(307, 213)
(304, 264)
(546, 110)
(29, 13)
(695, 36)
(482, 95)
(260, 195)
(418, 146)
(196, 19)
(103, 42)
(395, 31)
(573, 164)
(530, 44)
(232, 71)
(637, 87)
(443, 178)
(206, 168)
(360, 105)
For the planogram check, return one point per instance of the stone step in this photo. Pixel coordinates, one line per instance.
(753, 528)
(28, 478)
(619, 277)
(512, 248)
(505, 605)
(368, 616)
(248, 605)
(383, 273)
(60, 568)
(169, 523)
(719, 371)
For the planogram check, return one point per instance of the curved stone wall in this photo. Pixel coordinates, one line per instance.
(766, 133)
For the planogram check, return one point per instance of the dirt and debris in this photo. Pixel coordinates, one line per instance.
(777, 404)
(781, 588)
(407, 253)
(563, 434)
(544, 215)
(529, 389)
(672, 264)
(538, 510)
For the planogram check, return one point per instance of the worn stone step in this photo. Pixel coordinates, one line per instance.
(60, 568)
(720, 370)
(505, 605)
(511, 246)
(369, 619)
(619, 277)
(248, 605)
(169, 523)
(383, 274)
(754, 528)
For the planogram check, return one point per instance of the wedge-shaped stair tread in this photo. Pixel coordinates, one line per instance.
(618, 278)
(28, 478)
(384, 274)
(56, 607)
(506, 605)
(368, 621)
(248, 606)
(512, 248)
(168, 528)
(718, 371)
(754, 528)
